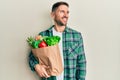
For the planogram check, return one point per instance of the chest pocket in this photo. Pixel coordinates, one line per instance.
(72, 50)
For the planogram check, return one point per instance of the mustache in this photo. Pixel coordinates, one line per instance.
(64, 17)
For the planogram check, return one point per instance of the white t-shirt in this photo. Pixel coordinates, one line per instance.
(55, 33)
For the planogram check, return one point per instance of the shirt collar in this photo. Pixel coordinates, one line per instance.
(66, 29)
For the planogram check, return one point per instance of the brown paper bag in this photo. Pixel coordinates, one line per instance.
(50, 56)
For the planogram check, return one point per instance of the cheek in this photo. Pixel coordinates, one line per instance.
(57, 17)
(60, 14)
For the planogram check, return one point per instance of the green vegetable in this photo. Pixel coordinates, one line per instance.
(48, 41)
(52, 40)
(34, 43)
(30, 40)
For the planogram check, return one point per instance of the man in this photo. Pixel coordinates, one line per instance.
(71, 47)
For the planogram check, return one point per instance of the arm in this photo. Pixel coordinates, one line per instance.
(35, 66)
(32, 61)
(81, 62)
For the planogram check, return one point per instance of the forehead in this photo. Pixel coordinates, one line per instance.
(63, 7)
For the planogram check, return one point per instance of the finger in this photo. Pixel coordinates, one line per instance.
(42, 75)
(46, 74)
(46, 67)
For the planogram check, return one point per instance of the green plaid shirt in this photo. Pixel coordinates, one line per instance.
(73, 53)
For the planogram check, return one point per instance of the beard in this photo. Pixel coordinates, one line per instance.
(60, 23)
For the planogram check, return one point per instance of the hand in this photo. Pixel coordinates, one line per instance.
(41, 70)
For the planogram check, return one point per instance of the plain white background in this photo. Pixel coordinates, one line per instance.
(97, 20)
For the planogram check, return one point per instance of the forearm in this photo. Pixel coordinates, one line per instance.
(81, 67)
(32, 61)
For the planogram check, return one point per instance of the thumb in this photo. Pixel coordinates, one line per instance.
(46, 66)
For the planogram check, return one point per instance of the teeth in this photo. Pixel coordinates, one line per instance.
(64, 19)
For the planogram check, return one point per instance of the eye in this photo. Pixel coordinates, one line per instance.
(68, 12)
(62, 11)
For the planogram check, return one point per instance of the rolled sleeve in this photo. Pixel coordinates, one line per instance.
(32, 61)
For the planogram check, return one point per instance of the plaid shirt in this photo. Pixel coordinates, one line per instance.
(73, 53)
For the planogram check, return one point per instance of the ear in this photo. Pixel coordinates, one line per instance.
(52, 15)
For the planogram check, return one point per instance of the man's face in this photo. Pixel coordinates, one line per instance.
(61, 15)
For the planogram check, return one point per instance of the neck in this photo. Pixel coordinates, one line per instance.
(59, 28)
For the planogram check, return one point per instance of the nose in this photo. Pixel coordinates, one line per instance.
(67, 14)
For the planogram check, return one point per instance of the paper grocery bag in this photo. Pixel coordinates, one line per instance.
(50, 56)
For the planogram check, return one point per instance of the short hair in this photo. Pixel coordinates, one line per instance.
(57, 4)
